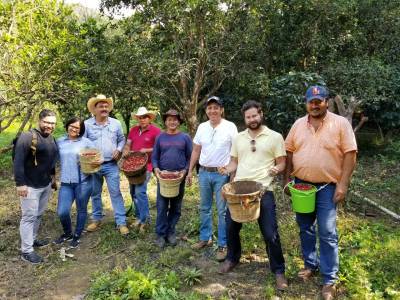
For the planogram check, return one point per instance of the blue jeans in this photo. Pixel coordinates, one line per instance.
(66, 196)
(211, 183)
(168, 211)
(269, 229)
(141, 200)
(110, 171)
(325, 216)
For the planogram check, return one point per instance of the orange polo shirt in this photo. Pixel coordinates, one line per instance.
(318, 155)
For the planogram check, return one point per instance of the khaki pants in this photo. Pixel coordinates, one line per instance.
(32, 207)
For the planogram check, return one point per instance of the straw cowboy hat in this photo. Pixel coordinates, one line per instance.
(99, 98)
(142, 111)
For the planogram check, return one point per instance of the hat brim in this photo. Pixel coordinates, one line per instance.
(151, 115)
(315, 97)
(93, 101)
(165, 116)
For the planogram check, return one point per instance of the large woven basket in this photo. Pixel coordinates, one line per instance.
(169, 188)
(137, 175)
(87, 157)
(243, 199)
(138, 178)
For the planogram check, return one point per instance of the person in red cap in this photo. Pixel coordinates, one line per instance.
(321, 150)
(171, 152)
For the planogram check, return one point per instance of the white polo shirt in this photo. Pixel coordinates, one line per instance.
(215, 143)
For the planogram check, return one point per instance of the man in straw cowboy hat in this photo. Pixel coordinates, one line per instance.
(211, 147)
(257, 154)
(106, 133)
(142, 138)
(321, 149)
(172, 152)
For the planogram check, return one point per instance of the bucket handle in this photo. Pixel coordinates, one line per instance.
(286, 185)
(246, 205)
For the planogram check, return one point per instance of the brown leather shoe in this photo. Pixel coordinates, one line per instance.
(123, 229)
(226, 267)
(143, 227)
(306, 274)
(95, 225)
(328, 291)
(281, 282)
(202, 244)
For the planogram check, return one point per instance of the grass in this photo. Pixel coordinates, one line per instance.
(133, 267)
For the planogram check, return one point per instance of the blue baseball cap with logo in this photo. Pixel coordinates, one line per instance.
(316, 92)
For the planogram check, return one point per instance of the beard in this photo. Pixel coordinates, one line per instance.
(44, 132)
(254, 125)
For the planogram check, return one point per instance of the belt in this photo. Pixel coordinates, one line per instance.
(209, 169)
(107, 162)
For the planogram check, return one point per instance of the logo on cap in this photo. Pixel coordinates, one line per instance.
(315, 91)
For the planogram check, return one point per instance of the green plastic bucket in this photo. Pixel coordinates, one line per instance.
(302, 201)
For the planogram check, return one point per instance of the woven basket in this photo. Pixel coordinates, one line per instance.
(169, 188)
(138, 178)
(243, 199)
(86, 161)
(137, 171)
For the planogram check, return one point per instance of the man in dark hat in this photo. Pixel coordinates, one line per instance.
(171, 152)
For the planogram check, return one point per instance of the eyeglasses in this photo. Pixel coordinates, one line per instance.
(49, 123)
(74, 127)
(143, 117)
(253, 145)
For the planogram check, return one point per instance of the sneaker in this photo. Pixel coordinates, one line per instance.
(171, 239)
(74, 242)
(202, 244)
(32, 258)
(95, 225)
(40, 243)
(221, 253)
(123, 229)
(160, 241)
(64, 237)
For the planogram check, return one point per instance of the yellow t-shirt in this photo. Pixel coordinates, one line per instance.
(254, 165)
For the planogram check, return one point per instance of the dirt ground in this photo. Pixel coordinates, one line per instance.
(106, 250)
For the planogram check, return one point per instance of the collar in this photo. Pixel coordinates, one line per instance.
(66, 138)
(327, 116)
(265, 131)
(95, 123)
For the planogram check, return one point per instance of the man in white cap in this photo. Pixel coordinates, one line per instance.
(142, 138)
(211, 147)
(106, 133)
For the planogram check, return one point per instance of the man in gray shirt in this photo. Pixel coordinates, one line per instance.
(34, 168)
(106, 133)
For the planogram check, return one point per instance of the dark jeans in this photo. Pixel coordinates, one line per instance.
(168, 211)
(68, 193)
(269, 229)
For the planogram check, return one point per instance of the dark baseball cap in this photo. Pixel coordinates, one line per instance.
(214, 99)
(316, 92)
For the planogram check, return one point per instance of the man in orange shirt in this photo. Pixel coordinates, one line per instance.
(321, 150)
